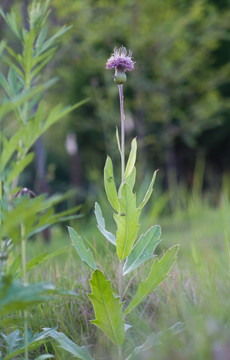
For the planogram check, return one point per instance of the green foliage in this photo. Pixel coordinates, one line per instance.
(15, 346)
(22, 213)
(110, 317)
(107, 308)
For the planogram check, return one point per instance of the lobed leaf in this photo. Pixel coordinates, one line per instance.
(85, 254)
(158, 273)
(143, 249)
(101, 225)
(107, 308)
(127, 222)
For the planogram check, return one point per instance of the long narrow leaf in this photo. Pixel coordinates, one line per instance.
(101, 225)
(149, 192)
(110, 187)
(131, 159)
(158, 273)
(85, 254)
(143, 249)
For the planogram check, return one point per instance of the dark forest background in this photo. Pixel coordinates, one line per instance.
(176, 100)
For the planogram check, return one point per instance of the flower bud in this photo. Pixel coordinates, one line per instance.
(120, 77)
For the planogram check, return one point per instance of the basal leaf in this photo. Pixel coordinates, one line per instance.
(110, 187)
(85, 254)
(59, 338)
(149, 191)
(127, 222)
(131, 159)
(143, 249)
(68, 345)
(101, 225)
(158, 273)
(107, 308)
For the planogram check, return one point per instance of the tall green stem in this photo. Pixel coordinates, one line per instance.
(120, 87)
(121, 97)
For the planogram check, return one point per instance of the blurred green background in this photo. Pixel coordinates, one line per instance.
(177, 104)
(176, 100)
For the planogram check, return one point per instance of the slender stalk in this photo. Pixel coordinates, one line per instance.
(24, 279)
(119, 353)
(121, 97)
(120, 280)
(1, 244)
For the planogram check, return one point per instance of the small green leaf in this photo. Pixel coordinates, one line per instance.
(85, 254)
(110, 187)
(143, 249)
(101, 225)
(158, 273)
(107, 308)
(127, 222)
(131, 159)
(149, 191)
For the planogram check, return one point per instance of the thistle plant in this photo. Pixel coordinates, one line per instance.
(110, 308)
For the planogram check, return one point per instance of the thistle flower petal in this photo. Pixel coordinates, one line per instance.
(120, 60)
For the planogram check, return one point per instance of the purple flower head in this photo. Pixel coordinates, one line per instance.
(120, 60)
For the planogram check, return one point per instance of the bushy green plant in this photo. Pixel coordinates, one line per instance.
(22, 213)
(111, 311)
